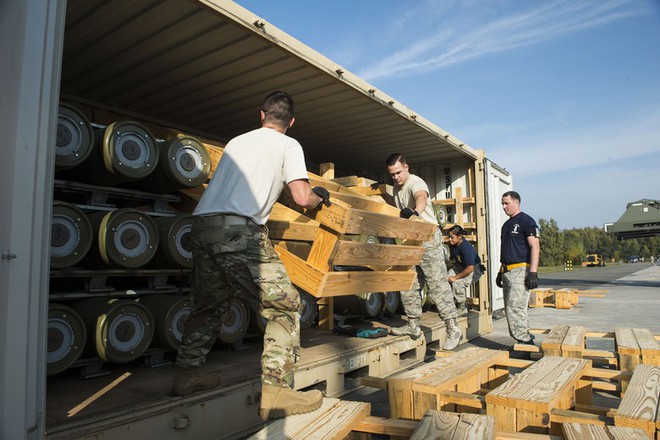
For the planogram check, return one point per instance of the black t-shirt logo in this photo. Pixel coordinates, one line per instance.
(515, 228)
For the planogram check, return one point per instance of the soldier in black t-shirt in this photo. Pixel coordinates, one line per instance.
(519, 260)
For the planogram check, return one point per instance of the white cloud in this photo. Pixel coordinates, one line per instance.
(585, 146)
(589, 196)
(468, 35)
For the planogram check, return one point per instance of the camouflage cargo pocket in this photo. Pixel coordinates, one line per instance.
(230, 239)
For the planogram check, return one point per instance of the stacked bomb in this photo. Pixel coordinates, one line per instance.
(124, 154)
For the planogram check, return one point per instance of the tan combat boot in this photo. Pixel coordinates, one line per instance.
(411, 329)
(278, 402)
(194, 379)
(454, 334)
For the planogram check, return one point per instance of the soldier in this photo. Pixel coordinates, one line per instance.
(231, 251)
(519, 258)
(411, 196)
(467, 267)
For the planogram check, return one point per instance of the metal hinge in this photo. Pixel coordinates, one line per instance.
(7, 255)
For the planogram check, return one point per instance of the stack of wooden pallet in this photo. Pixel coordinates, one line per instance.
(479, 393)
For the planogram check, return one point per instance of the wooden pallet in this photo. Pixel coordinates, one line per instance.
(448, 380)
(549, 396)
(640, 406)
(559, 299)
(525, 402)
(632, 347)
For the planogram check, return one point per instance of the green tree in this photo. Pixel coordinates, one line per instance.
(552, 243)
(574, 246)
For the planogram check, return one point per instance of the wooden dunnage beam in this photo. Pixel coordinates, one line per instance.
(286, 224)
(649, 347)
(626, 346)
(639, 406)
(583, 431)
(326, 284)
(552, 344)
(453, 426)
(573, 344)
(347, 180)
(356, 221)
(351, 253)
(333, 421)
(302, 274)
(383, 425)
(348, 283)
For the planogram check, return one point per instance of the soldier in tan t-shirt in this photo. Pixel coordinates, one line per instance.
(411, 196)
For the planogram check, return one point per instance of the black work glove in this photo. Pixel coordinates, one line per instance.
(375, 185)
(498, 280)
(532, 281)
(323, 194)
(407, 213)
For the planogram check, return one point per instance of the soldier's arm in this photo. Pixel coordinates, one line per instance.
(534, 249)
(421, 199)
(302, 194)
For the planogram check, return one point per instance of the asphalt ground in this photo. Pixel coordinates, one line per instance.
(632, 299)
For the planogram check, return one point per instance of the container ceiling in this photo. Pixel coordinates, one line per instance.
(205, 66)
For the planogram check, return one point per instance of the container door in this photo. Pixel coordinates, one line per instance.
(498, 181)
(31, 35)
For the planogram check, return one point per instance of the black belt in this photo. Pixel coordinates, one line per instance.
(223, 220)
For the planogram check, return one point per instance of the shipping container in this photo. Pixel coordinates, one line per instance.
(200, 68)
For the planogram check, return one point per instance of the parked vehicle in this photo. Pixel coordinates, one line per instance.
(595, 260)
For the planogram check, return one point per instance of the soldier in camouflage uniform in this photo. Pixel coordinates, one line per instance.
(232, 252)
(519, 263)
(411, 196)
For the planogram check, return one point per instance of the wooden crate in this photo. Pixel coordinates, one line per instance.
(524, 403)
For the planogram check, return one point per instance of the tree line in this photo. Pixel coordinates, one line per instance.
(561, 245)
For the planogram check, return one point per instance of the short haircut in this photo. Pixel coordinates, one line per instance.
(514, 195)
(278, 108)
(394, 158)
(457, 231)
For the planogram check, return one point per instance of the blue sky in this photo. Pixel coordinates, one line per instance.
(564, 94)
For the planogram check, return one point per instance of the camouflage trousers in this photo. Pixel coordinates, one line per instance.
(460, 287)
(231, 260)
(516, 299)
(432, 271)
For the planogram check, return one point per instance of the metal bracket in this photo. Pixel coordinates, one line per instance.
(8, 255)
